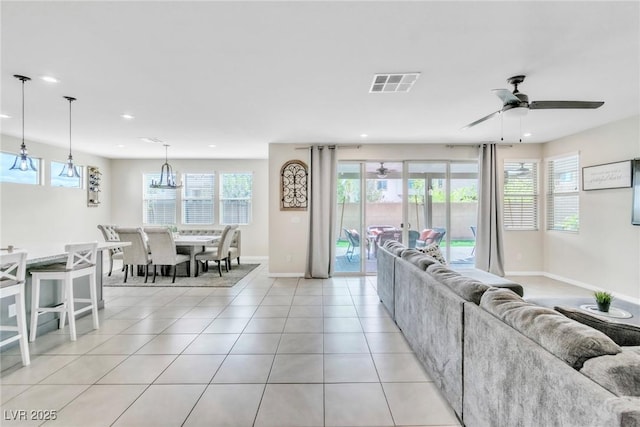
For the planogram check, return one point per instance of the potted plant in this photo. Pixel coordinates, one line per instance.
(603, 299)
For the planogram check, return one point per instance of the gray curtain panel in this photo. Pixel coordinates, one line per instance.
(489, 246)
(322, 206)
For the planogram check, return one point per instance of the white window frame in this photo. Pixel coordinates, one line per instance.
(533, 220)
(145, 199)
(222, 199)
(552, 194)
(185, 199)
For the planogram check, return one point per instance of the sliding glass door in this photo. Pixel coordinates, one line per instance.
(414, 202)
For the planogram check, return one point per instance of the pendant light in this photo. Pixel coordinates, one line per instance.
(166, 174)
(23, 162)
(70, 170)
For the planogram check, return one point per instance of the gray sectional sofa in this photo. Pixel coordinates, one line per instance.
(501, 361)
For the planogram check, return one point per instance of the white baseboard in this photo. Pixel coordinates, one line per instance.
(285, 274)
(524, 273)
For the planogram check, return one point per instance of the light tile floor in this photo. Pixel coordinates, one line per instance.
(266, 352)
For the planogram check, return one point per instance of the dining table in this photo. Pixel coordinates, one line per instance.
(195, 244)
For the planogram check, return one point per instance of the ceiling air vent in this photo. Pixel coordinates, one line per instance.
(398, 82)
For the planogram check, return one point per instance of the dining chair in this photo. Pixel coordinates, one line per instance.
(81, 261)
(111, 235)
(218, 253)
(137, 253)
(12, 277)
(163, 250)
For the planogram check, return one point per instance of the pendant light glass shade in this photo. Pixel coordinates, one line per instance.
(23, 162)
(167, 180)
(70, 170)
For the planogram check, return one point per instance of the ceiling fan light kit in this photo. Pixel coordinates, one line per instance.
(382, 172)
(516, 103)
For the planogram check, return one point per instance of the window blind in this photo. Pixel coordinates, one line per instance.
(197, 199)
(563, 202)
(520, 195)
(235, 198)
(158, 205)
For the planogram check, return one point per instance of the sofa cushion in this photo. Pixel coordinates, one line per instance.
(466, 287)
(567, 339)
(620, 373)
(621, 333)
(441, 272)
(418, 258)
(394, 247)
(433, 250)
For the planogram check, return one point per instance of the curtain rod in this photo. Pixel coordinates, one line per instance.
(342, 147)
(477, 145)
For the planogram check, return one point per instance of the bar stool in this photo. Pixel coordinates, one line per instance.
(81, 261)
(12, 273)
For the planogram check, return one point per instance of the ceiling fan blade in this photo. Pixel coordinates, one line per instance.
(481, 120)
(506, 96)
(546, 105)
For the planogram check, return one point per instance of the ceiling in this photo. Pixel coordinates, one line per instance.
(240, 75)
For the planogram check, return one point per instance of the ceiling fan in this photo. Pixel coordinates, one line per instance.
(382, 172)
(520, 171)
(519, 104)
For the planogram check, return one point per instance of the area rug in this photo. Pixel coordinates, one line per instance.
(209, 278)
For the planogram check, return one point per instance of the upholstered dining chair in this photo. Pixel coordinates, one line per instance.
(81, 261)
(163, 250)
(111, 235)
(12, 278)
(220, 252)
(137, 253)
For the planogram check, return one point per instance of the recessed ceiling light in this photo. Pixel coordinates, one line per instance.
(151, 140)
(127, 116)
(363, 135)
(396, 82)
(527, 134)
(120, 145)
(5, 116)
(212, 146)
(49, 79)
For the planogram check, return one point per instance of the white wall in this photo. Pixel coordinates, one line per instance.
(605, 253)
(126, 180)
(33, 215)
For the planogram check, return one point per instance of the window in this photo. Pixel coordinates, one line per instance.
(520, 205)
(65, 181)
(235, 198)
(563, 194)
(158, 204)
(18, 176)
(197, 199)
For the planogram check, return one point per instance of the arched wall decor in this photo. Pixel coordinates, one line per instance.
(293, 186)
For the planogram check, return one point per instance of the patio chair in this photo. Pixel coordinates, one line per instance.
(473, 230)
(353, 237)
(413, 238)
(389, 235)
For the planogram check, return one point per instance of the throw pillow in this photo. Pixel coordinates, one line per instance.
(621, 333)
(569, 340)
(433, 250)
